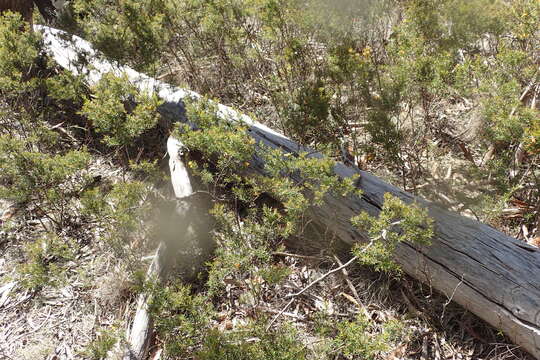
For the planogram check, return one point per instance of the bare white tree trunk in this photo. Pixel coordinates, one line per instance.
(140, 334)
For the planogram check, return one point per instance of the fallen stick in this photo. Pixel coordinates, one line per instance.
(319, 279)
(140, 334)
(339, 268)
(356, 297)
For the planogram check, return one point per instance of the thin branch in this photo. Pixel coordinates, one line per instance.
(279, 314)
(351, 287)
(293, 296)
(451, 296)
(324, 276)
(280, 253)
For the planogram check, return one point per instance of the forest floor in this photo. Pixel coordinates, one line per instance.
(62, 321)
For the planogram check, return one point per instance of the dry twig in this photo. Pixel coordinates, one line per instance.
(293, 296)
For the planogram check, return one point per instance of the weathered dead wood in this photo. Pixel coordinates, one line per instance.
(140, 334)
(492, 275)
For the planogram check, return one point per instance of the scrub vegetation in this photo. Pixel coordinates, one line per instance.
(438, 97)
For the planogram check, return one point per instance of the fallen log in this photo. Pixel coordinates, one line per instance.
(489, 273)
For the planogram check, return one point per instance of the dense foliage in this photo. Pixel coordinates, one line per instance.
(377, 78)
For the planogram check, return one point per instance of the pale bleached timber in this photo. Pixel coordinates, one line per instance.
(492, 275)
(139, 336)
(179, 175)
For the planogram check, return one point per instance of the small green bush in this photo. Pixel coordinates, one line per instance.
(19, 51)
(129, 31)
(181, 319)
(46, 181)
(119, 111)
(102, 344)
(45, 260)
(355, 339)
(397, 222)
(281, 344)
(123, 213)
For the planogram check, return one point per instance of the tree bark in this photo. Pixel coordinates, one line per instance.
(489, 273)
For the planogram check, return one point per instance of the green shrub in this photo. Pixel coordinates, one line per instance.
(119, 111)
(131, 31)
(397, 222)
(297, 182)
(102, 344)
(46, 181)
(356, 339)
(122, 213)
(181, 319)
(45, 260)
(274, 274)
(281, 344)
(19, 51)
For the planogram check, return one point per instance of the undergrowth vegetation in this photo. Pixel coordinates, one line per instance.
(362, 81)
(249, 232)
(46, 166)
(389, 82)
